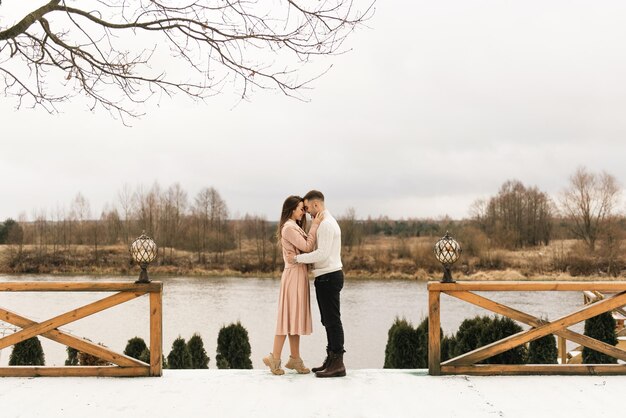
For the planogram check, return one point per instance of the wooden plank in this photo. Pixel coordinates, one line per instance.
(156, 334)
(536, 322)
(496, 307)
(512, 341)
(519, 286)
(434, 331)
(589, 297)
(595, 295)
(562, 347)
(80, 287)
(534, 369)
(73, 371)
(68, 317)
(73, 341)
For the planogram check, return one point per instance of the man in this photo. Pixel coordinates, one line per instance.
(326, 260)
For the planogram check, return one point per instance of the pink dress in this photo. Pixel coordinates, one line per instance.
(294, 302)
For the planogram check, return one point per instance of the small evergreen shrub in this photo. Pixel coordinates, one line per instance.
(480, 331)
(448, 344)
(76, 357)
(543, 351)
(402, 346)
(145, 356)
(233, 348)
(602, 328)
(179, 357)
(407, 347)
(72, 356)
(27, 353)
(85, 359)
(422, 343)
(468, 337)
(135, 348)
(199, 358)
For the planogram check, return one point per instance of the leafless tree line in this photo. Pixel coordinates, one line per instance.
(200, 225)
(517, 216)
(520, 216)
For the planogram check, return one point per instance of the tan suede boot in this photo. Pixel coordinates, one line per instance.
(274, 364)
(297, 364)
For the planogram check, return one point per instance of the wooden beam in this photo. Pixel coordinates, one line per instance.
(68, 317)
(536, 322)
(519, 286)
(513, 341)
(80, 287)
(534, 369)
(73, 371)
(156, 334)
(496, 307)
(562, 347)
(434, 331)
(72, 341)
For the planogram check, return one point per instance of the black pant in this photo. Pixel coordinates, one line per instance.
(327, 289)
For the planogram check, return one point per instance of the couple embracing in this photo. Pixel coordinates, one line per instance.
(321, 247)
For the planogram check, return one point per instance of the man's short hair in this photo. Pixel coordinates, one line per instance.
(314, 195)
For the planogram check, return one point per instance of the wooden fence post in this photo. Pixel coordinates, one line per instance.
(562, 350)
(156, 333)
(434, 331)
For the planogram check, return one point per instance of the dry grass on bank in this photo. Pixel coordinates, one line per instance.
(375, 257)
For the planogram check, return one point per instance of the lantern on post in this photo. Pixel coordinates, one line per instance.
(447, 251)
(144, 251)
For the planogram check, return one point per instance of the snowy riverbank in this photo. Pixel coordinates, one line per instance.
(363, 393)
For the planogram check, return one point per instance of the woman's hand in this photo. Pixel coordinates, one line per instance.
(318, 218)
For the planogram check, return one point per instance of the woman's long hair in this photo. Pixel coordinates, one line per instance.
(289, 206)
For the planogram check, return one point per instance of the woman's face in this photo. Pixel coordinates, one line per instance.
(298, 213)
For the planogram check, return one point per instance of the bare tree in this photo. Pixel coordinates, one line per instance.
(351, 230)
(589, 202)
(516, 217)
(148, 206)
(174, 202)
(209, 219)
(125, 197)
(256, 228)
(81, 213)
(114, 51)
(202, 221)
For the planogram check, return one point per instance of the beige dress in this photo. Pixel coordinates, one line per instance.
(294, 302)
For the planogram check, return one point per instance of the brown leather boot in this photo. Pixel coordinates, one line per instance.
(335, 367)
(324, 365)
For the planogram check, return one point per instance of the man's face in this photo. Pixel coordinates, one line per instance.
(310, 207)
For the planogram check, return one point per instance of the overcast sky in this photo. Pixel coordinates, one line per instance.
(437, 104)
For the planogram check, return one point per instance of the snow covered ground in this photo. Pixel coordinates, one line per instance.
(363, 393)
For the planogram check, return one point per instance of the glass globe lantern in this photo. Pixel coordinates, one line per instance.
(447, 251)
(143, 250)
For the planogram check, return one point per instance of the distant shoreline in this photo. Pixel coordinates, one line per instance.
(420, 276)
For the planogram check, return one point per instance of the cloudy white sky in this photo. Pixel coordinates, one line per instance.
(437, 104)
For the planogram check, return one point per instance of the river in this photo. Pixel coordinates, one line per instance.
(204, 305)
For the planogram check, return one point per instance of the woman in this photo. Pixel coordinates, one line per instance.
(294, 305)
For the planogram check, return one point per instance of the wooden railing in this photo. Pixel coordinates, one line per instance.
(467, 363)
(122, 365)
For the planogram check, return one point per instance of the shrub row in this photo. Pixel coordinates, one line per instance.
(407, 347)
(233, 352)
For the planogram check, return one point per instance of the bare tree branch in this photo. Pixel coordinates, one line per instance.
(114, 52)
